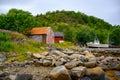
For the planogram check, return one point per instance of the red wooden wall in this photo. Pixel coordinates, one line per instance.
(57, 39)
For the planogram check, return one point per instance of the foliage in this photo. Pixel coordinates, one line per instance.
(17, 20)
(115, 36)
(85, 34)
(13, 42)
(68, 22)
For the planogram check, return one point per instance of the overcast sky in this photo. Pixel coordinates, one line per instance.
(109, 10)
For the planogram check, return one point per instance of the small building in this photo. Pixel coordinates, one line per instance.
(42, 34)
(58, 36)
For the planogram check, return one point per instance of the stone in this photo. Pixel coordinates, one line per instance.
(58, 63)
(12, 77)
(103, 66)
(45, 53)
(85, 52)
(1, 66)
(47, 62)
(84, 78)
(76, 56)
(2, 57)
(117, 75)
(69, 52)
(90, 64)
(70, 65)
(56, 52)
(78, 72)
(28, 54)
(3, 74)
(96, 73)
(89, 55)
(24, 77)
(38, 63)
(38, 56)
(60, 73)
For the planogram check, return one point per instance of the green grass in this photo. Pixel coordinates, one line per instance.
(12, 42)
(64, 45)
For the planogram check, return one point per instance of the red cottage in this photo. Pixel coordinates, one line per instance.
(58, 36)
(42, 34)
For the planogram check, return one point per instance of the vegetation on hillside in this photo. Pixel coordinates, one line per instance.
(77, 26)
(19, 44)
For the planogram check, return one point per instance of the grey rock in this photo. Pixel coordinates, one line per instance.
(1, 66)
(24, 77)
(47, 62)
(70, 65)
(90, 64)
(60, 73)
(12, 77)
(58, 63)
(78, 72)
(2, 57)
(117, 75)
(69, 52)
(38, 56)
(89, 55)
(96, 73)
(84, 78)
(85, 52)
(38, 63)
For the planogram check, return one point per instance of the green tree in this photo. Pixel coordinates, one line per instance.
(19, 20)
(85, 35)
(115, 36)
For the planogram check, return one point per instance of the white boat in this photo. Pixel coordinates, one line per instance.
(97, 44)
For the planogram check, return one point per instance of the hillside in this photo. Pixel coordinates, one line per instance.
(71, 18)
(77, 26)
(17, 44)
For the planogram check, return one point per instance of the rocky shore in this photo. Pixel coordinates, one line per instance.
(63, 64)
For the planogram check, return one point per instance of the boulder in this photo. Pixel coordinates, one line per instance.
(91, 63)
(78, 72)
(84, 78)
(58, 63)
(60, 73)
(56, 52)
(76, 56)
(2, 57)
(117, 75)
(3, 75)
(38, 63)
(85, 52)
(12, 77)
(89, 55)
(96, 73)
(1, 66)
(24, 77)
(38, 56)
(103, 66)
(69, 52)
(47, 62)
(70, 65)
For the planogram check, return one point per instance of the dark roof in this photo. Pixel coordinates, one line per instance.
(58, 34)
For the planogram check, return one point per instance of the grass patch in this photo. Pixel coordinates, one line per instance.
(13, 42)
(64, 45)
